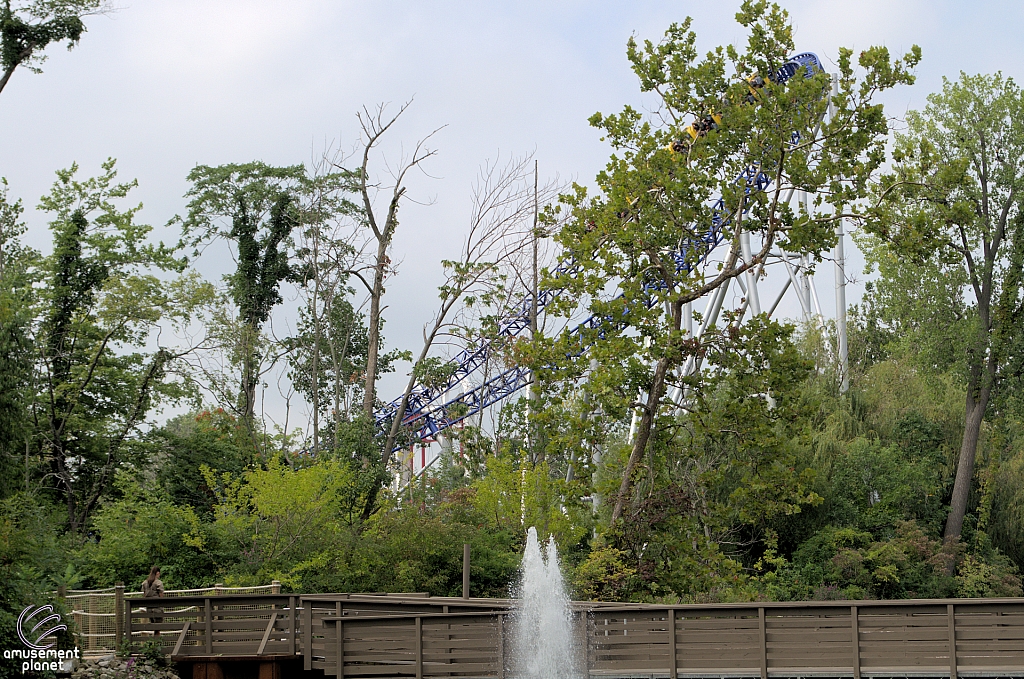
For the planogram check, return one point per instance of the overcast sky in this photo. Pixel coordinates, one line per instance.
(163, 85)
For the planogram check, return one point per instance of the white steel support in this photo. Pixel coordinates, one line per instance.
(813, 289)
(750, 289)
(711, 313)
(804, 307)
(844, 359)
(805, 287)
(635, 422)
(595, 456)
(840, 259)
(779, 298)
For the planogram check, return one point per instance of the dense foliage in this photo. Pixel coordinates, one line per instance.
(752, 476)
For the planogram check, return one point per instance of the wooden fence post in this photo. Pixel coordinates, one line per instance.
(275, 586)
(291, 622)
(341, 647)
(764, 642)
(128, 624)
(118, 614)
(673, 667)
(419, 647)
(952, 640)
(208, 614)
(307, 634)
(90, 638)
(501, 646)
(855, 627)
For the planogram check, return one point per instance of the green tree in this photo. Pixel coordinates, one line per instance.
(656, 191)
(32, 552)
(277, 517)
(185, 444)
(101, 299)
(26, 28)
(951, 206)
(257, 207)
(143, 528)
(17, 265)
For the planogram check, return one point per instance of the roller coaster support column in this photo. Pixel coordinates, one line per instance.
(840, 257)
(750, 275)
(844, 359)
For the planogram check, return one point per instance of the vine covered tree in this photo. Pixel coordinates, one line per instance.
(257, 207)
(101, 297)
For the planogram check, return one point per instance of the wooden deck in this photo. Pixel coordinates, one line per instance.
(417, 636)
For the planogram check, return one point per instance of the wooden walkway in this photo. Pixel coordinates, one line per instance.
(417, 636)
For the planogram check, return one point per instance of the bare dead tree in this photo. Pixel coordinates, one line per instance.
(382, 222)
(500, 237)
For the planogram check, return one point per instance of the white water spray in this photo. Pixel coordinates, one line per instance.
(543, 646)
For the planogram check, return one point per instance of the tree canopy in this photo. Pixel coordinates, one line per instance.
(674, 455)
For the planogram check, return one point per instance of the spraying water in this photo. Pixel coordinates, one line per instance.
(543, 646)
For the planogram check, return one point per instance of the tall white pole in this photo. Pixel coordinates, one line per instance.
(751, 287)
(844, 358)
(840, 257)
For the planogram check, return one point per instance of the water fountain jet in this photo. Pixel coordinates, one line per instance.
(543, 643)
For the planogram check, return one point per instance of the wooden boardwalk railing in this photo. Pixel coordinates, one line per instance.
(424, 637)
(952, 638)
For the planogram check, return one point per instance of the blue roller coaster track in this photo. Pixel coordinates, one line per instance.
(432, 410)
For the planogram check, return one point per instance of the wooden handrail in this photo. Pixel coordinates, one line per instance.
(769, 639)
(401, 616)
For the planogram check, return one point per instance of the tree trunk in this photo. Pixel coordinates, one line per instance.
(249, 384)
(5, 77)
(22, 56)
(975, 413)
(315, 367)
(373, 330)
(643, 434)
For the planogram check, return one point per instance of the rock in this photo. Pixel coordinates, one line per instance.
(112, 667)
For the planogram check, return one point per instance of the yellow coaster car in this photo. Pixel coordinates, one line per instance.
(701, 126)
